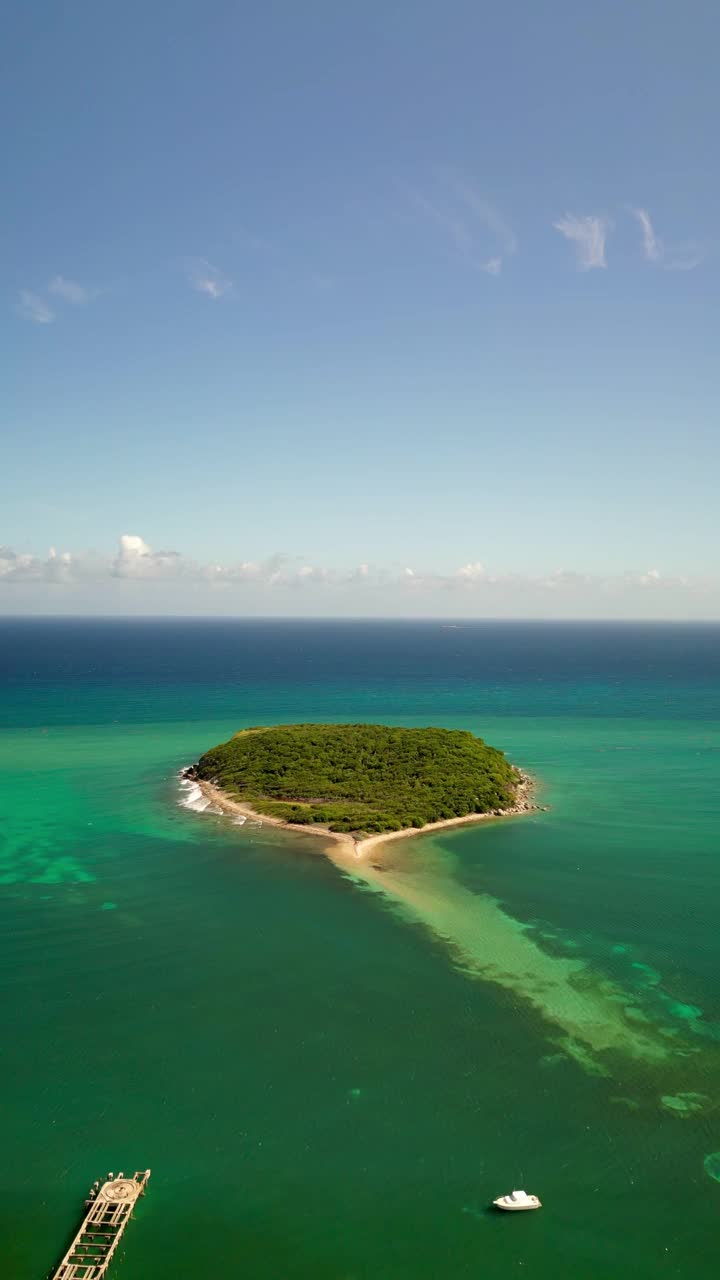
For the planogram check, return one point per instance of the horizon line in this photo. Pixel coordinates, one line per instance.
(450, 619)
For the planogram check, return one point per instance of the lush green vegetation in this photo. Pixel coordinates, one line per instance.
(361, 777)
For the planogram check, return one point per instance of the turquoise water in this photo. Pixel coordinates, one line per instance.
(331, 1072)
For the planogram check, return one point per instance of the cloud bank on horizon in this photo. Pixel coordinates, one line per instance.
(288, 580)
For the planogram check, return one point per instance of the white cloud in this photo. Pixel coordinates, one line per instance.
(562, 579)
(453, 226)
(70, 291)
(132, 545)
(588, 234)
(205, 278)
(63, 568)
(652, 247)
(136, 572)
(32, 307)
(485, 212)
(136, 559)
(310, 573)
(493, 266)
(683, 257)
(472, 572)
(467, 219)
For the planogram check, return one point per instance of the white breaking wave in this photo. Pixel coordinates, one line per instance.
(192, 797)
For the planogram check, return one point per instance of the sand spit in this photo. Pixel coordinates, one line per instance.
(590, 1018)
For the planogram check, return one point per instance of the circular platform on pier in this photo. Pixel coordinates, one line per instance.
(121, 1189)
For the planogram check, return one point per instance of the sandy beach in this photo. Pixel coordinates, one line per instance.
(525, 802)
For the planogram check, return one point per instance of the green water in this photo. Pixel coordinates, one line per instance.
(331, 1078)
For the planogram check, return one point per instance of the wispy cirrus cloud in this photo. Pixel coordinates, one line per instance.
(37, 308)
(474, 227)
(32, 306)
(486, 213)
(202, 276)
(588, 234)
(70, 291)
(652, 247)
(682, 257)
(493, 266)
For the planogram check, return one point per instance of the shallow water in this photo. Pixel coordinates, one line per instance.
(332, 1075)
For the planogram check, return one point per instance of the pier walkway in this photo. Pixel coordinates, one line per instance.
(108, 1211)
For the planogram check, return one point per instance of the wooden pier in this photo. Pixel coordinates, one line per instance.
(108, 1210)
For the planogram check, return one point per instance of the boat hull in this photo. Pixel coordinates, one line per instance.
(517, 1208)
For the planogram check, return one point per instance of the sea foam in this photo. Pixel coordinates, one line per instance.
(192, 796)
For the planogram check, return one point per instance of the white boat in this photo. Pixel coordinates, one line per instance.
(517, 1200)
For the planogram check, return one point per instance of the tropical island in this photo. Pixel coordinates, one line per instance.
(360, 782)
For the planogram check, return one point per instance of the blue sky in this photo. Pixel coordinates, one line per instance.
(385, 307)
